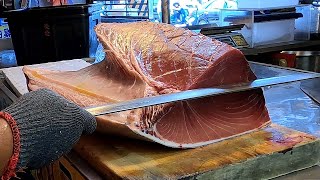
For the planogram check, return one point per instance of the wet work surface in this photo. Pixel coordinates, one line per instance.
(291, 143)
(288, 105)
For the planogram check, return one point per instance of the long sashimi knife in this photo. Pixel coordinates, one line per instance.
(197, 93)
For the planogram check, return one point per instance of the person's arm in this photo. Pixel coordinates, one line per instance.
(44, 126)
(6, 145)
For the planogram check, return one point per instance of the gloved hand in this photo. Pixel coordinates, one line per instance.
(47, 126)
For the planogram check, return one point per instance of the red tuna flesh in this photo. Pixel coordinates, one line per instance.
(147, 59)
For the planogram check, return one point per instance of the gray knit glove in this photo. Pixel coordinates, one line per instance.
(49, 125)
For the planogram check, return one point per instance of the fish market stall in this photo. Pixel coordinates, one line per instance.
(167, 102)
(291, 139)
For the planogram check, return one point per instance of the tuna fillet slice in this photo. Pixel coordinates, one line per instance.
(147, 59)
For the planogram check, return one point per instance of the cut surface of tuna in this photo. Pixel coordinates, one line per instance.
(147, 59)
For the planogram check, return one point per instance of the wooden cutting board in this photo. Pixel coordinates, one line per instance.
(266, 153)
(263, 154)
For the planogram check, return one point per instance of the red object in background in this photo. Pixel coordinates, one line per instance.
(284, 59)
(59, 2)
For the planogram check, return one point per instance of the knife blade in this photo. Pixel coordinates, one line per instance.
(196, 93)
(312, 89)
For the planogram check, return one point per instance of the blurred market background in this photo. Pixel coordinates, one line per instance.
(39, 31)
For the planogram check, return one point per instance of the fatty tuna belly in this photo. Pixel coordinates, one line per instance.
(91, 86)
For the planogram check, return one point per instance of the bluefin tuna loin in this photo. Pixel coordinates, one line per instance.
(147, 59)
